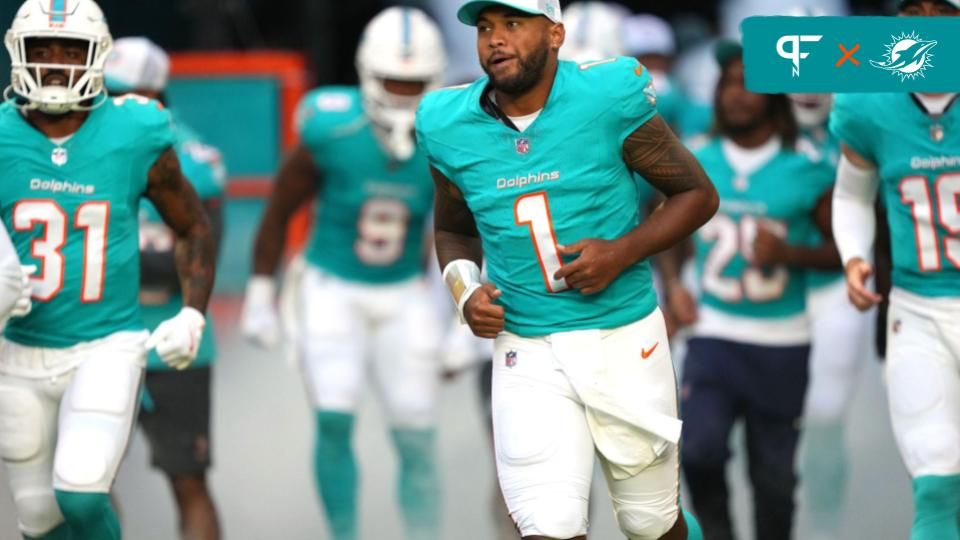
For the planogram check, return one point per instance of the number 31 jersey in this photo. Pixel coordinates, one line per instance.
(918, 160)
(72, 210)
(371, 210)
(560, 181)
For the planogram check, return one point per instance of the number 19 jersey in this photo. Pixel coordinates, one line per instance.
(560, 181)
(371, 210)
(918, 160)
(71, 210)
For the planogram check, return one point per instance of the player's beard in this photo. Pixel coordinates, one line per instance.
(531, 71)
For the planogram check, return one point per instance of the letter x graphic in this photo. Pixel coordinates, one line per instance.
(848, 55)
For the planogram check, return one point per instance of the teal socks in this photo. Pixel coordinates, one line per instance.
(936, 501)
(824, 482)
(693, 527)
(88, 516)
(418, 484)
(336, 471)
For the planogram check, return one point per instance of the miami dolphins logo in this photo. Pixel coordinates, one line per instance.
(908, 56)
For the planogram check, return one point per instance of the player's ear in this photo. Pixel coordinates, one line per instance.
(557, 35)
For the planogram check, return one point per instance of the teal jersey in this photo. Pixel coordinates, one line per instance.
(371, 210)
(918, 160)
(827, 147)
(780, 195)
(71, 210)
(203, 166)
(560, 181)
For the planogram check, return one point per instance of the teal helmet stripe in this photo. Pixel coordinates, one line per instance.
(58, 11)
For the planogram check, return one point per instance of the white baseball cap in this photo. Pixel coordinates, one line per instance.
(470, 12)
(648, 34)
(137, 63)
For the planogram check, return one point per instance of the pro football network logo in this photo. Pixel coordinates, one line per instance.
(908, 56)
(511, 359)
(795, 54)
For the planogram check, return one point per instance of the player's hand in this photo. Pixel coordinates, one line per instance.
(24, 304)
(681, 305)
(768, 248)
(177, 340)
(483, 316)
(598, 263)
(857, 272)
(259, 320)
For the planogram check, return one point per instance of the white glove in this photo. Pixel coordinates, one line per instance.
(23, 305)
(178, 339)
(259, 320)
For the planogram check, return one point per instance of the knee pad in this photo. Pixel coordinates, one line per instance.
(84, 460)
(37, 511)
(931, 449)
(553, 517)
(21, 424)
(646, 522)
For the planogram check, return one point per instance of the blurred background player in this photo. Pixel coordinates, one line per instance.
(568, 320)
(75, 165)
(175, 407)
(363, 293)
(592, 31)
(907, 147)
(748, 355)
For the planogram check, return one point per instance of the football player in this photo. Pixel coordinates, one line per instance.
(907, 146)
(534, 166)
(363, 294)
(75, 164)
(747, 357)
(175, 406)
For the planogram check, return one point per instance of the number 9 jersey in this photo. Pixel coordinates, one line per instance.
(918, 160)
(560, 181)
(72, 210)
(371, 211)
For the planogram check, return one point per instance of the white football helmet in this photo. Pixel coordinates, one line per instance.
(65, 19)
(810, 110)
(592, 31)
(404, 44)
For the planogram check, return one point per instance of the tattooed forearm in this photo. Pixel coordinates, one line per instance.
(655, 153)
(455, 231)
(181, 209)
(296, 183)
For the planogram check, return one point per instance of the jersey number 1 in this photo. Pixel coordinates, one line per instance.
(92, 218)
(915, 191)
(533, 210)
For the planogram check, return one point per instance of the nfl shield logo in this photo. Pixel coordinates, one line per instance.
(511, 359)
(523, 145)
(59, 156)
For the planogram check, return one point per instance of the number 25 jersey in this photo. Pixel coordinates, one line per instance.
(71, 210)
(918, 160)
(560, 181)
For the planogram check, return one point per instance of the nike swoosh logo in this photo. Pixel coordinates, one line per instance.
(644, 353)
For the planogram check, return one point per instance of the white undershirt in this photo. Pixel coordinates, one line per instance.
(935, 104)
(522, 122)
(60, 140)
(746, 161)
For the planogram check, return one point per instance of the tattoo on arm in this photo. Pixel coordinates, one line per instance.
(654, 152)
(181, 209)
(455, 231)
(296, 184)
(158, 269)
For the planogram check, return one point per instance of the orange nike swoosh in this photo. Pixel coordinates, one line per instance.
(644, 353)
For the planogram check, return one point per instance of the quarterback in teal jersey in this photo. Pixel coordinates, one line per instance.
(907, 147)
(362, 294)
(75, 165)
(747, 358)
(175, 404)
(535, 169)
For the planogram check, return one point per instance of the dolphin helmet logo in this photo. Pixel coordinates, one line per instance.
(908, 56)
